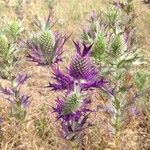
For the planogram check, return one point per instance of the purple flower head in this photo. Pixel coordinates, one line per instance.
(72, 108)
(6, 91)
(21, 79)
(81, 66)
(74, 130)
(73, 114)
(46, 48)
(24, 100)
(68, 83)
(92, 17)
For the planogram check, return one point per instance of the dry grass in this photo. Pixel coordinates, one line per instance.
(71, 16)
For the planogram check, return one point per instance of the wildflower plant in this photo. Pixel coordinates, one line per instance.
(116, 53)
(80, 78)
(46, 47)
(9, 60)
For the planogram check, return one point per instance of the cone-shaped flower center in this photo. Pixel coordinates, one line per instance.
(79, 67)
(47, 40)
(72, 103)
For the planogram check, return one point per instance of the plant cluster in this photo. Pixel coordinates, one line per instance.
(117, 54)
(107, 62)
(9, 60)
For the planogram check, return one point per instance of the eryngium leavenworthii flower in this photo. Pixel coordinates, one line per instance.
(45, 39)
(73, 114)
(79, 79)
(67, 82)
(72, 107)
(46, 48)
(81, 70)
(81, 66)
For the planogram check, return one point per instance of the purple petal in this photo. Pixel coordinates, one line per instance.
(25, 100)
(21, 78)
(6, 91)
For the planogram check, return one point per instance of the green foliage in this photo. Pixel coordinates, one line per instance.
(13, 30)
(50, 3)
(117, 51)
(112, 17)
(116, 45)
(7, 57)
(18, 112)
(42, 123)
(99, 47)
(4, 45)
(142, 80)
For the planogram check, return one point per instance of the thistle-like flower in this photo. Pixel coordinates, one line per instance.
(81, 71)
(81, 76)
(46, 47)
(72, 107)
(81, 66)
(73, 114)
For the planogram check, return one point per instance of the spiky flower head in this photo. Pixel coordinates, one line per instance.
(73, 115)
(81, 66)
(71, 104)
(46, 40)
(72, 107)
(13, 29)
(46, 48)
